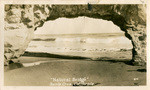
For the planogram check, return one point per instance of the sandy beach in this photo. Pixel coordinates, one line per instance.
(59, 70)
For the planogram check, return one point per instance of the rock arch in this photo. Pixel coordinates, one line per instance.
(22, 20)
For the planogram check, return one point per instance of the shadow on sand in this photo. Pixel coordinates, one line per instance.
(42, 54)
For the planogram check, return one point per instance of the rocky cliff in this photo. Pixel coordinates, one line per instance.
(22, 20)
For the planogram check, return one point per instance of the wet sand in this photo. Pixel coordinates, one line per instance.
(41, 71)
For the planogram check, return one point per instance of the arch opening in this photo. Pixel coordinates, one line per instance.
(82, 36)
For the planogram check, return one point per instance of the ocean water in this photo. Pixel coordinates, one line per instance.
(65, 43)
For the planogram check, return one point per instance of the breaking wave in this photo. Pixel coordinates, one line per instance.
(120, 39)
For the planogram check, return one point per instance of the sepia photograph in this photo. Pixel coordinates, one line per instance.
(75, 45)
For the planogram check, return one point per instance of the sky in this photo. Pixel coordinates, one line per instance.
(78, 26)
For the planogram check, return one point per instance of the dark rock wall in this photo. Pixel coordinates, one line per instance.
(22, 20)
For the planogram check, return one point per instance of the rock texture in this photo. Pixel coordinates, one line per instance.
(22, 20)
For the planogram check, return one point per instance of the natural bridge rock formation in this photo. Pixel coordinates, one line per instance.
(22, 20)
